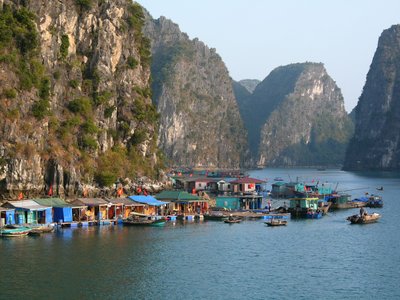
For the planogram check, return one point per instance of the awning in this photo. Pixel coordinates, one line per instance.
(149, 200)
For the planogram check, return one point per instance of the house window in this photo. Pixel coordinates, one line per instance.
(199, 184)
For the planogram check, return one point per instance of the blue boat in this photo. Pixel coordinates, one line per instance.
(14, 231)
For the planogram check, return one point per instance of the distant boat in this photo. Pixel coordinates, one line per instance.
(276, 222)
(232, 220)
(278, 179)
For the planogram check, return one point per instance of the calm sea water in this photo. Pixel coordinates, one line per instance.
(308, 259)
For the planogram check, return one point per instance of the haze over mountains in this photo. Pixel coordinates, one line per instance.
(296, 117)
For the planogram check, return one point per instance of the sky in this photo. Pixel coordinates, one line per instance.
(253, 37)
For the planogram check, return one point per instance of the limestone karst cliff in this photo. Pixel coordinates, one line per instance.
(296, 117)
(200, 124)
(75, 104)
(376, 141)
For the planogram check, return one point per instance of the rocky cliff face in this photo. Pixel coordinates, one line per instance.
(200, 123)
(376, 142)
(296, 117)
(75, 95)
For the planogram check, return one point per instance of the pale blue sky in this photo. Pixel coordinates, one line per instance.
(253, 37)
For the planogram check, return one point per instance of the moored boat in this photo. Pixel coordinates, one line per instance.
(215, 216)
(343, 201)
(365, 219)
(374, 201)
(14, 232)
(136, 219)
(233, 220)
(276, 222)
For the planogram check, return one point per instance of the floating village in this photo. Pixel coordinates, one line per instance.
(226, 197)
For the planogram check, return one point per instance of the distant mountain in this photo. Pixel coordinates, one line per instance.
(249, 84)
(200, 124)
(296, 117)
(376, 141)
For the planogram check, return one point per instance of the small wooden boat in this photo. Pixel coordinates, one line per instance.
(43, 229)
(231, 221)
(276, 222)
(14, 232)
(144, 222)
(365, 219)
(215, 217)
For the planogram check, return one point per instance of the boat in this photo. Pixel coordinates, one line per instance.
(306, 207)
(42, 229)
(233, 220)
(14, 231)
(374, 201)
(278, 179)
(365, 219)
(314, 214)
(215, 216)
(343, 201)
(136, 219)
(276, 222)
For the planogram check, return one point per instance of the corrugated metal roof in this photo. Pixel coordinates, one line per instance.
(25, 204)
(53, 202)
(89, 202)
(247, 180)
(124, 201)
(177, 196)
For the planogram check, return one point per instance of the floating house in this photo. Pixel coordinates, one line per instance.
(240, 202)
(278, 189)
(183, 203)
(152, 206)
(62, 211)
(7, 216)
(95, 210)
(247, 185)
(304, 206)
(123, 207)
(30, 212)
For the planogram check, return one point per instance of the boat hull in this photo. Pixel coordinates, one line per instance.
(154, 223)
(232, 221)
(367, 219)
(276, 223)
(14, 232)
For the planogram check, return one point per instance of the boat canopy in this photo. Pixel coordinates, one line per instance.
(149, 200)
